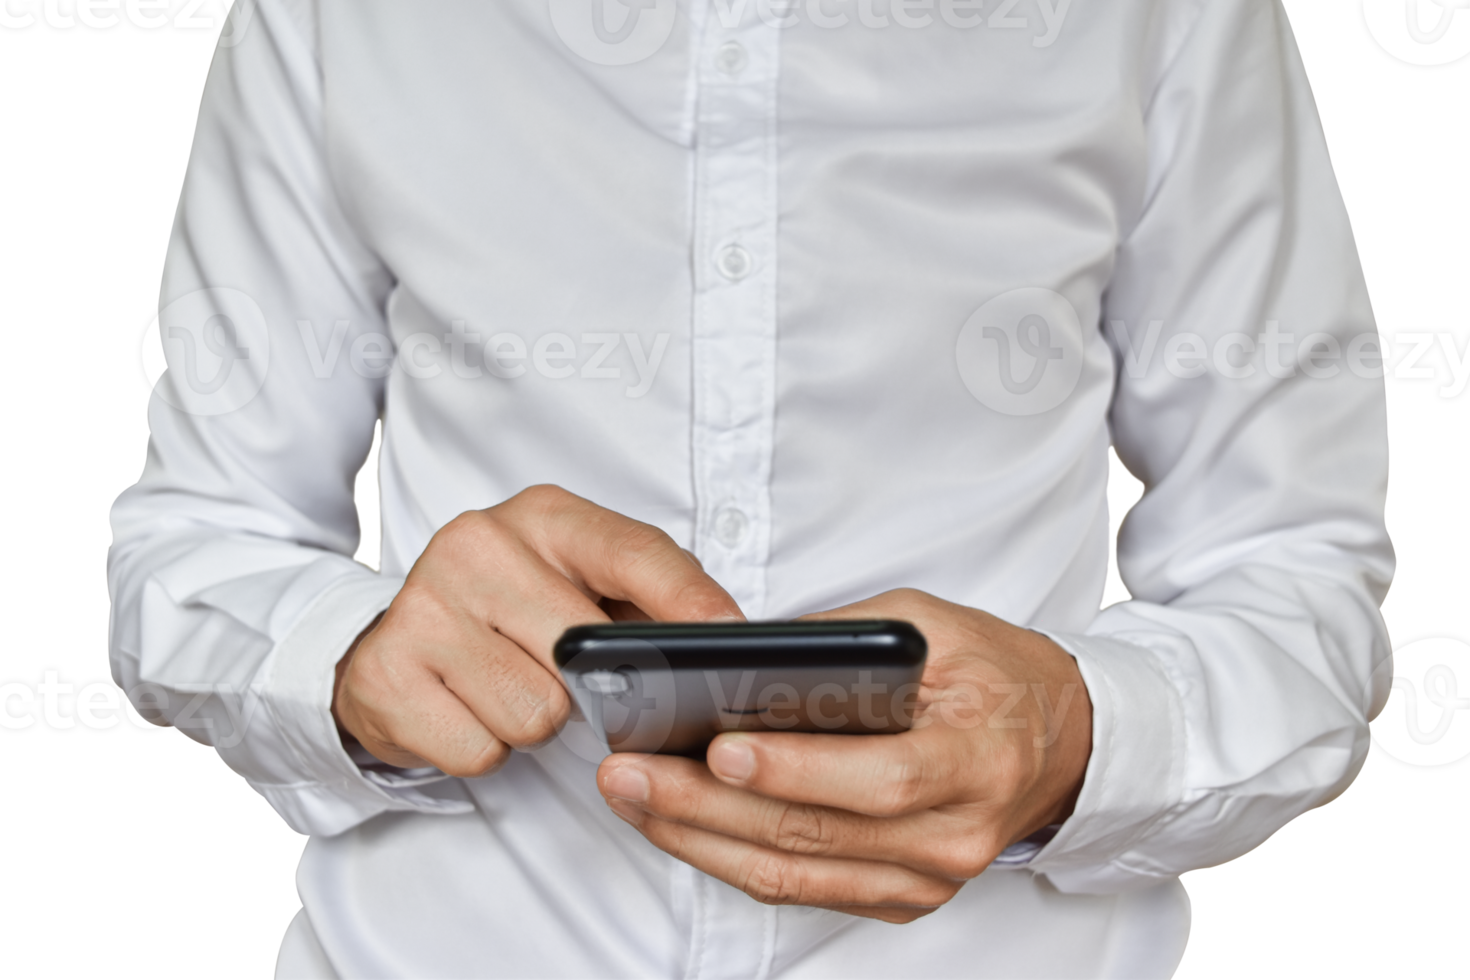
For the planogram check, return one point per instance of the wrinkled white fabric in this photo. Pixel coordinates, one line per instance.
(841, 308)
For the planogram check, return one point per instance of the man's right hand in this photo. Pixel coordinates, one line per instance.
(458, 670)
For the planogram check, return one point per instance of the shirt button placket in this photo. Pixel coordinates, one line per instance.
(734, 329)
(734, 367)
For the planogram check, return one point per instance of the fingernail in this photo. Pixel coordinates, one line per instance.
(627, 811)
(732, 759)
(627, 783)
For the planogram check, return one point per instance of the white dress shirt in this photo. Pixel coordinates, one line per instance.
(845, 296)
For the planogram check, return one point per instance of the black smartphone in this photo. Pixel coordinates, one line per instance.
(671, 688)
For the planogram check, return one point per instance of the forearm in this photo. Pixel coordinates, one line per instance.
(1235, 691)
(233, 588)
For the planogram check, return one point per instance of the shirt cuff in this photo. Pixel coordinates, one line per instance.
(337, 794)
(1024, 851)
(1135, 775)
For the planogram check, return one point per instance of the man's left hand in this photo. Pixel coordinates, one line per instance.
(884, 826)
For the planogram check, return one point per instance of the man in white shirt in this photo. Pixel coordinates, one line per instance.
(845, 298)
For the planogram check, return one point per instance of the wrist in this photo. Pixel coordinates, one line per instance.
(1067, 742)
(348, 738)
(1071, 765)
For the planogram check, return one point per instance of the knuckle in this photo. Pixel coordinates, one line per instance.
(540, 501)
(473, 532)
(701, 598)
(916, 905)
(484, 530)
(478, 761)
(772, 880)
(901, 789)
(907, 600)
(556, 708)
(543, 493)
(520, 710)
(388, 732)
(803, 830)
(962, 860)
(640, 543)
(467, 526)
(538, 717)
(678, 793)
(416, 605)
(930, 893)
(374, 732)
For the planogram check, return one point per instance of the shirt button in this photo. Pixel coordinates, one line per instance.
(731, 58)
(734, 263)
(730, 526)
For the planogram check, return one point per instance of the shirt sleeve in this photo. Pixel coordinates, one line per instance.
(234, 593)
(1234, 692)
